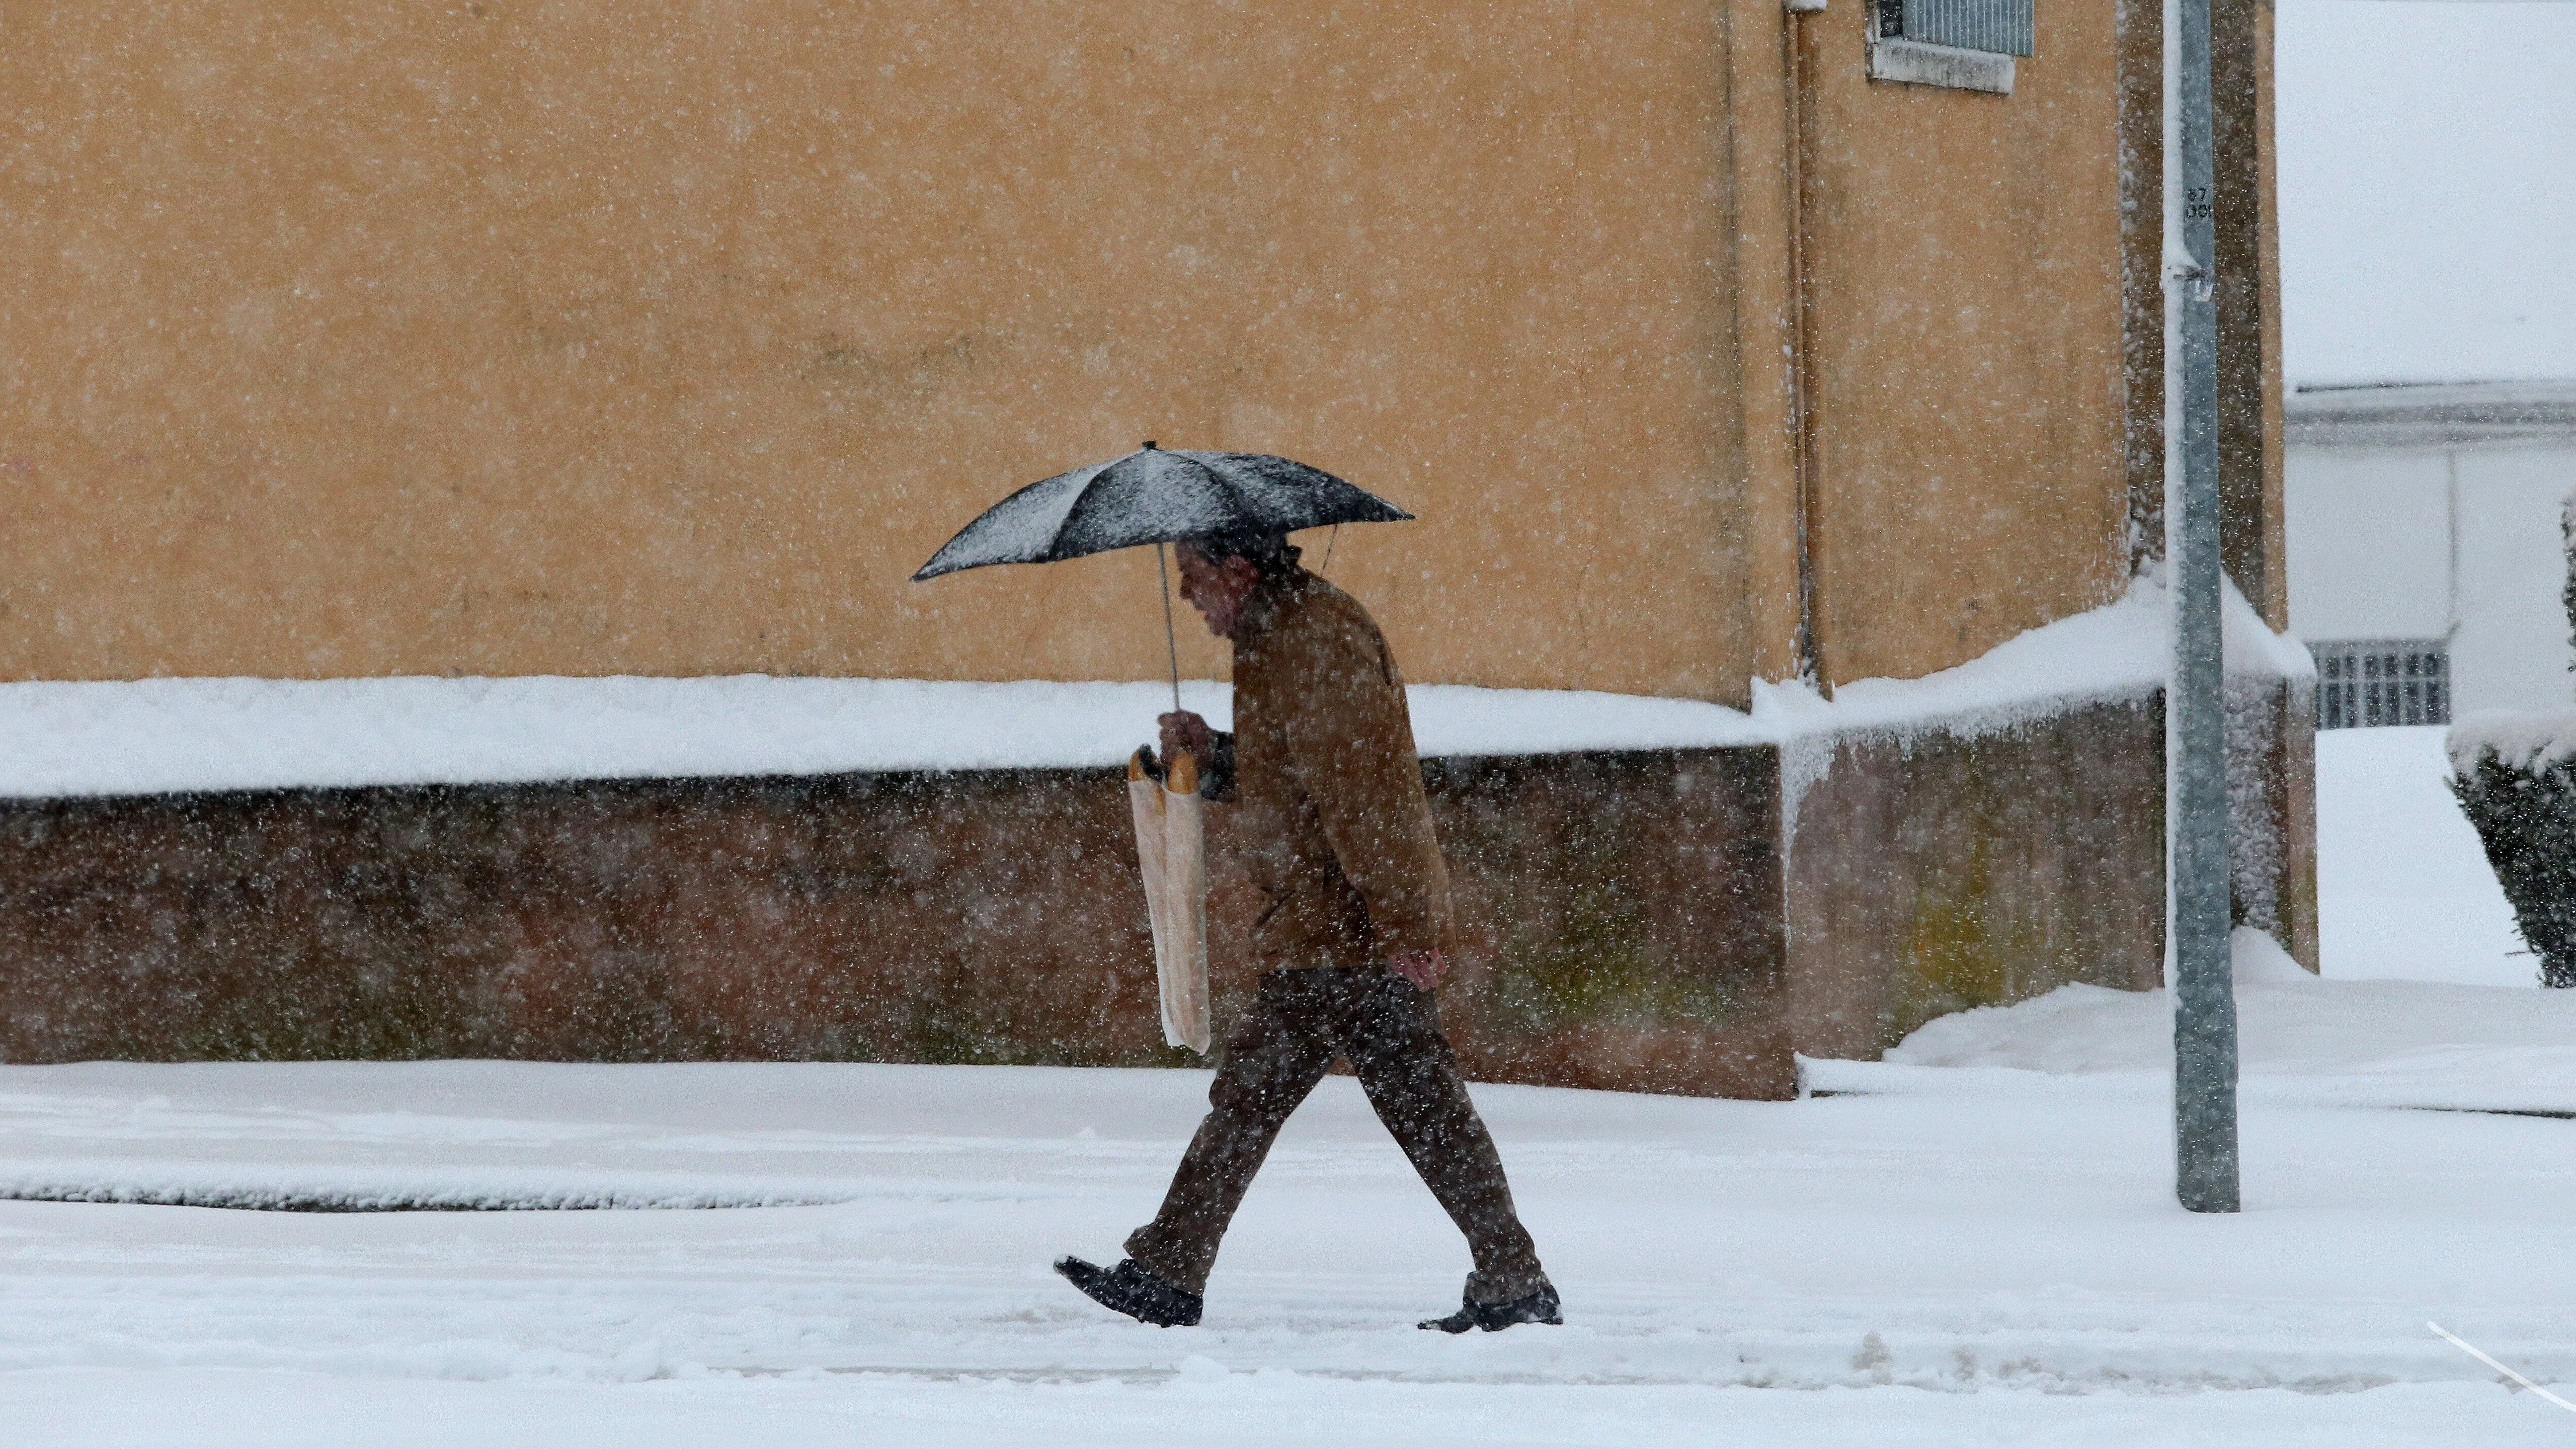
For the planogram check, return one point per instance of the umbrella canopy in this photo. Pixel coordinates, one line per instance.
(1155, 495)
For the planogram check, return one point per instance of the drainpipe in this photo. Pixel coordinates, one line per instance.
(1802, 411)
(2451, 511)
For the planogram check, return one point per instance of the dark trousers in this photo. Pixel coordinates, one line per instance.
(1390, 1031)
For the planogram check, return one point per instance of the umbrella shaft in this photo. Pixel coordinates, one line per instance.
(1171, 644)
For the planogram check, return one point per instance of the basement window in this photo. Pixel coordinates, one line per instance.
(2367, 682)
(1961, 44)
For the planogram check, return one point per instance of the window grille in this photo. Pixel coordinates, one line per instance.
(2367, 682)
(2002, 27)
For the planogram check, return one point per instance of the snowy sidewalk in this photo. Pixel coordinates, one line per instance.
(2005, 1231)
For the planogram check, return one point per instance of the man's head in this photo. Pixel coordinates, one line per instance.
(1218, 575)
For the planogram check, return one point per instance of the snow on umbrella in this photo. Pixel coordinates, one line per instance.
(1156, 496)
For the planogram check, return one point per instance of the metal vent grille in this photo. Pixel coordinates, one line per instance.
(2365, 682)
(2001, 26)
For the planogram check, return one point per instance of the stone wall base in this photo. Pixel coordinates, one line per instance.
(1943, 870)
(1633, 920)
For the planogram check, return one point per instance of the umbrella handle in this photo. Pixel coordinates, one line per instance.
(1171, 644)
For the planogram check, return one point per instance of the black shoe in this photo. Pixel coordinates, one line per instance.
(1539, 1307)
(1140, 1295)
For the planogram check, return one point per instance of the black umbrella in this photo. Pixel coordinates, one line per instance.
(1157, 496)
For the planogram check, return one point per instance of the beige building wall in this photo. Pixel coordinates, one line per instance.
(516, 337)
(1964, 268)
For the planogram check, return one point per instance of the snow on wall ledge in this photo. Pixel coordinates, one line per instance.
(2122, 650)
(156, 736)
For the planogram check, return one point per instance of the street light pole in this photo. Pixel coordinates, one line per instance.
(2205, 1156)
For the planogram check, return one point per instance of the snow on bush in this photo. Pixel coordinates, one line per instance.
(2516, 779)
(2515, 774)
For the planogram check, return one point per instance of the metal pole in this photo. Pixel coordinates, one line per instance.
(2205, 1157)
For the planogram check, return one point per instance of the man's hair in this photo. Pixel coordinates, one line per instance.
(1268, 552)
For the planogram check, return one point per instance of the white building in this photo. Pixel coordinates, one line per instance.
(2428, 201)
(2425, 551)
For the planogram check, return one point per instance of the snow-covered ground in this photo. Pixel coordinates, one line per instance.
(2403, 889)
(1974, 1242)
(1947, 1256)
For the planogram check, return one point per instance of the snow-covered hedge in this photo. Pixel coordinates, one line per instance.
(2515, 775)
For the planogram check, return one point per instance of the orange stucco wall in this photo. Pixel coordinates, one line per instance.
(514, 338)
(1964, 261)
(517, 337)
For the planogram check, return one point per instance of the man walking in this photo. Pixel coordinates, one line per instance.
(1354, 933)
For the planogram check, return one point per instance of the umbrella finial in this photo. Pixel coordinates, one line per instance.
(1149, 445)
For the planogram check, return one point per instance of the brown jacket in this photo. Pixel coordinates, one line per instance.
(1333, 815)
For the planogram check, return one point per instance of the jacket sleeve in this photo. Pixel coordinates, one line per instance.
(1350, 750)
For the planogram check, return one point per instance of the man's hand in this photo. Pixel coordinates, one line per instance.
(1183, 730)
(1422, 968)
